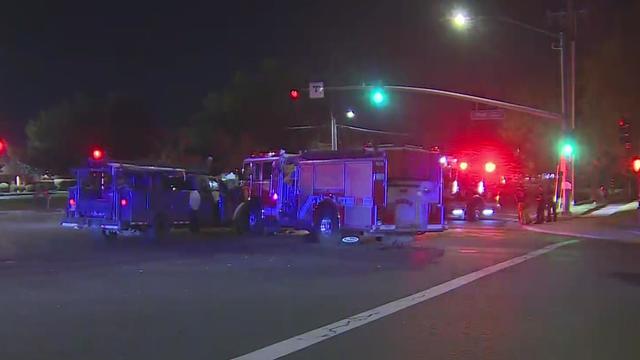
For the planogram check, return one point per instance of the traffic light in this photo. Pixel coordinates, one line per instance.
(635, 165)
(97, 154)
(378, 97)
(350, 114)
(3, 147)
(624, 133)
(294, 94)
(568, 147)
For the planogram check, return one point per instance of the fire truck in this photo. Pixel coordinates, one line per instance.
(115, 197)
(340, 196)
(477, 184)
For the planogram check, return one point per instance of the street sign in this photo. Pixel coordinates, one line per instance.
(316, 90)
(497, 114)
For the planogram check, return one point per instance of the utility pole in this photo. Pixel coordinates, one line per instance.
(571, 18)
(334, 132)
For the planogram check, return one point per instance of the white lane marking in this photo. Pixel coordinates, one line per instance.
(607, 236)
(307, 339)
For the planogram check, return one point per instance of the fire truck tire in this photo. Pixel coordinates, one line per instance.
(254, 219)
(249, 219)
(326, 226)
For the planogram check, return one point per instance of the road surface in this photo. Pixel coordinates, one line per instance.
(65, 295)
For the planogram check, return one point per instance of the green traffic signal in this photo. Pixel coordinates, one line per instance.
(378, 97)
(567, 148)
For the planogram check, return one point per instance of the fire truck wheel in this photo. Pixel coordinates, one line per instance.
(255, 223)
(326, 227)
(249, 219)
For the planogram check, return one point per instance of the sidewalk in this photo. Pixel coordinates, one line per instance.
(621, 226)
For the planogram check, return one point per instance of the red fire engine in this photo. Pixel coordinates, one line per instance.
(477, 183)
(341, 196)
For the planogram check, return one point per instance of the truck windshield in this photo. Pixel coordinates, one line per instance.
(412, 165)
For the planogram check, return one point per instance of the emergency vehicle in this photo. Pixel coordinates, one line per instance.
(341, 196)
(115, 197)
(477, 184)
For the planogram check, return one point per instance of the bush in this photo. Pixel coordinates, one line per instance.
(4, 187)
(30, 188)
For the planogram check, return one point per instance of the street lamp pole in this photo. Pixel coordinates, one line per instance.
(568, 123)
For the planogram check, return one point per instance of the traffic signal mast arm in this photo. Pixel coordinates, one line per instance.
(452, 94)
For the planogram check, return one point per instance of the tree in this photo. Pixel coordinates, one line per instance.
(608, 89)
(62, 136)
(248, 115)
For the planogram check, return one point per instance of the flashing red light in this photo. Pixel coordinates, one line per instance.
(490, 167)
(294, 94)
(635, 164)
(463, 166)
(2, 146)
(72, 203)
(97, 154)
(621, 123)
(123, 202)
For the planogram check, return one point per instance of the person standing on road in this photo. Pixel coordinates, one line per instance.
(552, 215)
(521, 198)
(540, 205)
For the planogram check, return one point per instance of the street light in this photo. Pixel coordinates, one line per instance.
(350, 114)
(459, 19)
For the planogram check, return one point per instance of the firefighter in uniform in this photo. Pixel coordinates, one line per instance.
(540, 205)
(552, 215)
(521, 198)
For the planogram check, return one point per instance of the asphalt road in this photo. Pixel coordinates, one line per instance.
(66, 295)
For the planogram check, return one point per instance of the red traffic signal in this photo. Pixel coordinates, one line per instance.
(97, 154)
(635, 165)
(294, 94)
(3, 147)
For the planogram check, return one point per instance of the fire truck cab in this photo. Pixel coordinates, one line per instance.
(116, 197)
(472, 188)
(341, 196)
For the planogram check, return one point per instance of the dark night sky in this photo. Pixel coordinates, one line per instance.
(172, 54)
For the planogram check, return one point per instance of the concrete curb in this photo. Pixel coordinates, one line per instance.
(575, 234)
(562, 233)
